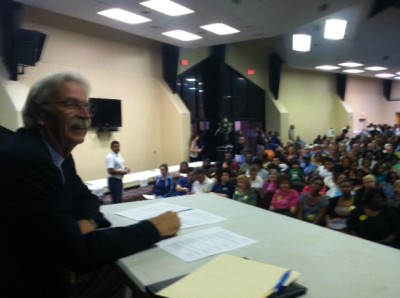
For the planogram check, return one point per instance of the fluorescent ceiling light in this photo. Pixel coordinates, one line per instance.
(351, 64)
(191, 80)
(123, 16)
(396, 78)
(167, 7)
(384, 75)
(398, 73)
(301, 42)
(335, 29)
(327, 67)
(182, 35)
(375, 68)
(354, 70)
(220, 29)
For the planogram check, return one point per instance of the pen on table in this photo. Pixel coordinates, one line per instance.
(183, 210)
(282, 281)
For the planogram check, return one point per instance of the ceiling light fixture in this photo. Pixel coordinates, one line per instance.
(123, 16)
(353, 70)
(397, 78)
(375, 68)
(327, 67)
(167, 7)
(350, 64)
(384, 75)
(182, 35)
(335, 29)
(301, 42)
(220, 29)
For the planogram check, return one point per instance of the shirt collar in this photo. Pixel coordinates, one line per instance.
(55, 157)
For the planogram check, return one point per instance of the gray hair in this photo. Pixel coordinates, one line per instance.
(46, 88)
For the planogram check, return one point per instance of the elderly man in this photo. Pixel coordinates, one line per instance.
(49, 234)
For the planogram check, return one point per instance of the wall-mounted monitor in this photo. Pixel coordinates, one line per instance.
(106, 114)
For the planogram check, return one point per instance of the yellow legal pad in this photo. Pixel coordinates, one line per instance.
(229, 276)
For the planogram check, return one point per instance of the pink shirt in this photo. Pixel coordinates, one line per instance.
(281, 201)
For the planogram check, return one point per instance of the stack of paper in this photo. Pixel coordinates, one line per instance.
(229, 276)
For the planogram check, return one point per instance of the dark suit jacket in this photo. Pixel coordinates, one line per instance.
(40, 240)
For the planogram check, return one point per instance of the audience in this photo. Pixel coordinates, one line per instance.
(184, 184)
(202, 183)
(244, 192)
(313, 205)
(373, 220)
(164, 186)
(224, 187)
(285, 199)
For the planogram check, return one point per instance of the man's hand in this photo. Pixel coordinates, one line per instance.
(86, 226)
(167, 224)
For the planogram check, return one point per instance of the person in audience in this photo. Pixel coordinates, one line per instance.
(308, 167)
(261, 172)
(379, 172)
(285, 199)
(247, 163)
(244, 192)
(206, 165)
(333, 184)
(388, 188)
(307, 187)
(278, 165)
(271, 185)
(313, 205)
(202, 183)
(116, 170)
(369, 182)
(296, 173)
(224, 187)
(164, 186)
(184, 184)
(373, 220)
(255, 179)
(194, 149)
(183, 170)
(340, 207)
(58, 240)
(233, 164)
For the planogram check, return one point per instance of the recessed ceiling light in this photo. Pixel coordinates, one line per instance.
(191, 80)
(301, 42)
(375, 68)
(167, 7)
(220, 29)
(354, 70)
(123, 16)
(335, 29)
(384, 75)
(182, 35)
(351, 64)
(327, 67)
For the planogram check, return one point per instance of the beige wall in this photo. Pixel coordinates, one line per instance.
(312, 103)
(365, 96)
(194, 56)
(119, 66)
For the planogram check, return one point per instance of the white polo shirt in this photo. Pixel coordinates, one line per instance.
(116, 162)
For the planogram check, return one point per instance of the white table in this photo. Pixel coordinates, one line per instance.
(99, 186)
(332, 264)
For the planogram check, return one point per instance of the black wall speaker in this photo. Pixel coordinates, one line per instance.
(341, 80)
(387, 88)
(275, 66)
(28, 47)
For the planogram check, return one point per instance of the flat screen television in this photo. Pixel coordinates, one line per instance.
(106, 114)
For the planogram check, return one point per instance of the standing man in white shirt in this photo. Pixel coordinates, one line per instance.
(202, 183)
(116, 170)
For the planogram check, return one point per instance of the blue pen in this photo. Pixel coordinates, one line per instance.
(282, 281)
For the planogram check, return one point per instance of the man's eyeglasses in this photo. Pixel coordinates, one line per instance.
(74, 106)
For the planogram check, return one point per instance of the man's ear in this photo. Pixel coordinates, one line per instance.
(38, 115)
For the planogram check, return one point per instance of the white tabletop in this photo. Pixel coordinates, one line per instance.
(98, 186)
(332, 264)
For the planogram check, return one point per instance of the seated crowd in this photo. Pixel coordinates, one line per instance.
(348, 185)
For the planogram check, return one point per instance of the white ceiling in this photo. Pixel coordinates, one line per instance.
(371, 40)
